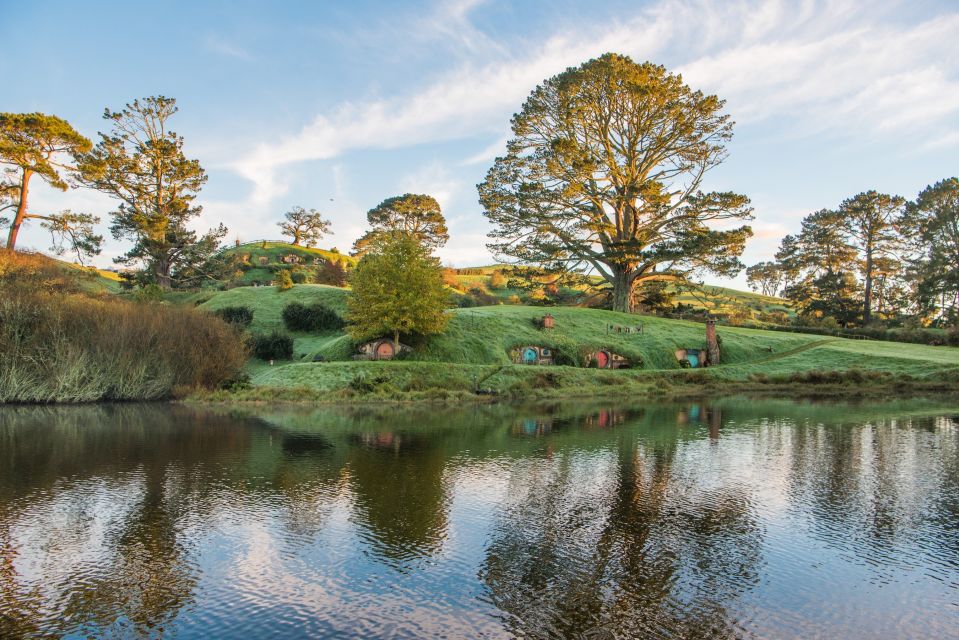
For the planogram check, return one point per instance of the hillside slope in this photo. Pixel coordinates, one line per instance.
(474, 349)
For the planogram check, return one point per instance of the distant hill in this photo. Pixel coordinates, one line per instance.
(261, 258)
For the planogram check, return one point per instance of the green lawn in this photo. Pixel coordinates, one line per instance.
(473, 350)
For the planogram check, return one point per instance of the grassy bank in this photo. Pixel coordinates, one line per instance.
(472, 355)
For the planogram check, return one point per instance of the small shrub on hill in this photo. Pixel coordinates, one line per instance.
(284, 281)
(237, 316)
(273, 346)
(314, 317)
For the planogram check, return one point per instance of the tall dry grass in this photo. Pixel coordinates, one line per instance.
(65, 347)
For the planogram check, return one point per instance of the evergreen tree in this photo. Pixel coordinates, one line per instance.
(36, 144)
(932, 225)
(141, 163)
(870, 220)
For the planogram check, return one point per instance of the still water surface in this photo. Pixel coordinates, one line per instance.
(735, 518)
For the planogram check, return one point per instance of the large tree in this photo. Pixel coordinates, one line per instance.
(604, 174)
(932, 224)
(870, 220)
(416, 214)
(36, 144)
(306, 227)
(818, 266)
(141, 163)
(397, 288)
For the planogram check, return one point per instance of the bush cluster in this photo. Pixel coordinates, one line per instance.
(237, 316)
(56, 348)
(272, 346)
(313, 317)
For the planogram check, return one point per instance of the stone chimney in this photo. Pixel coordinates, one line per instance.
(712, 343)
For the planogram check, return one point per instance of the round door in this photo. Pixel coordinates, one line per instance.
(602, 359)
(530, 355)
(384, 350)
(693, 360)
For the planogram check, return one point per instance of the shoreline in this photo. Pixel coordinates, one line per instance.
(652, 389)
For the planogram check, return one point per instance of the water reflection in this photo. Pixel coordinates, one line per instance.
(705, 519)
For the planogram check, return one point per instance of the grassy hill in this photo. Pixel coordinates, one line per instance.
(260, 260)
(473, 351)
(258, 257)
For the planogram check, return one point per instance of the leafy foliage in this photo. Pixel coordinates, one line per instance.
(604, 173)
(397, 288)
(272, 346)
(141, 163)
(765, 277)
(238, 316)
(870, 221)
(415, 214)
(306, 227)
(313, 317)
(932, 222)
(38, 144)
(284, 281)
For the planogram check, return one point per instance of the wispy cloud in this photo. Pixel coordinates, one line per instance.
(828, 67)
(217, 44)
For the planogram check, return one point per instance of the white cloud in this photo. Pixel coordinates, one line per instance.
(829, 66)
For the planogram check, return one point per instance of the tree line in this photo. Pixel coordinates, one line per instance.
(876, 258)
(605, 175)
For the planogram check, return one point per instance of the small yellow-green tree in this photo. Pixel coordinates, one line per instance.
(397, 288)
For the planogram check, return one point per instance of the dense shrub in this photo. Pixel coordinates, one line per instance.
(238, 316)
(273, 346)
(314, 317)
(284, 281)
(56, 348)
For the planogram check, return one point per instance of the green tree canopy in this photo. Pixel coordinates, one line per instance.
(818, 268)
(603, 173)
(397, 288)
(869, 220)
(932, 224)
(36, 144)
(416, 214)
(141, 163)
(306, 227)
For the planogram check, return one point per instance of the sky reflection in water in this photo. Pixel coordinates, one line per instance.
(732, 518)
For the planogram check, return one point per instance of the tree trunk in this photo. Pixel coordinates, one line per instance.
(622, 290)
(396, 343)
(867, 298)
(21, 211)
(161, 271)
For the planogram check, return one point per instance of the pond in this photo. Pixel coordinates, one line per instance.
(729, 518)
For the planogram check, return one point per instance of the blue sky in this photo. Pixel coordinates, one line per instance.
(336, 105)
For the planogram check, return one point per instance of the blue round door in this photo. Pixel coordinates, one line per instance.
(693, 360)
(530, 356)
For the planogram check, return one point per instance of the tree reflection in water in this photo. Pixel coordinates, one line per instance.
(616, 546)
(690, 520)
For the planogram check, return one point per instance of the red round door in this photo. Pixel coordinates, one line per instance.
(384, 350)
(602, 359)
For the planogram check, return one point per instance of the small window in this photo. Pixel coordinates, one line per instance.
(546, 353)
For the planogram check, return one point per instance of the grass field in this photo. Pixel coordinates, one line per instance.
(473, 352)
